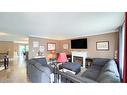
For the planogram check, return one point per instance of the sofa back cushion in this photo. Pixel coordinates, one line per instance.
(31, 61)
(42, 68)
(92, 72)
(42, 61)
(109, 73)
(100, 61)
(111, 66)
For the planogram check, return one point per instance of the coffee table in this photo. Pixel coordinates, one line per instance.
(55, 67)
(74, 67)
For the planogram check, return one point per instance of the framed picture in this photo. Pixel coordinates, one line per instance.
(65, 46)
(35, 44)
(51, 46)
(102, 45)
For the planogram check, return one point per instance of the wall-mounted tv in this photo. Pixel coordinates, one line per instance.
(79, 44)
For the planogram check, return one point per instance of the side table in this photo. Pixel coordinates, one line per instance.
(89, 62)
(55, 67)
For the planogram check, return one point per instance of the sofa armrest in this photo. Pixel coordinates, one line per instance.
(82, 79)
(42, 68)
(68, 77)
(76, 78)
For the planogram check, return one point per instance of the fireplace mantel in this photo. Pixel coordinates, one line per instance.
(80, 54)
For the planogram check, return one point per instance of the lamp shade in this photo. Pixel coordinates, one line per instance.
(62, 58)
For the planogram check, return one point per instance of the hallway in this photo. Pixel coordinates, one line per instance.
(16, 73)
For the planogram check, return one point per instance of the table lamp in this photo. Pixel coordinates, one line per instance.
(51, 56)
(62, 58)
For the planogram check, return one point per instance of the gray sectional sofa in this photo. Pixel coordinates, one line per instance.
(38, 71)
(101, 71)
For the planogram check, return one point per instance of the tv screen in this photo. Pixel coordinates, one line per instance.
(79, 44)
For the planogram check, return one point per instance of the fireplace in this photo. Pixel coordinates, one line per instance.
(78, 60)
(79, 57)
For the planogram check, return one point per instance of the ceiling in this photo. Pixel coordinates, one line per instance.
(18, 26)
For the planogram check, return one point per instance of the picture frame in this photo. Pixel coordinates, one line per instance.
(35, 44)
(65, 46)
(102, 45)
(51, 46)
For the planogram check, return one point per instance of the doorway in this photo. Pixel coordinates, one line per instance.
(23, 51)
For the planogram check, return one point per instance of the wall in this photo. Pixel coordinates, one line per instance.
(7, 46)
(42, 42)
(92, 52)
(62, 42)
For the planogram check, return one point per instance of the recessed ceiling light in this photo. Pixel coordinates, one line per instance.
(3, 34)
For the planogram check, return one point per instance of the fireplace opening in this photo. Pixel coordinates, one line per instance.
(78, 60)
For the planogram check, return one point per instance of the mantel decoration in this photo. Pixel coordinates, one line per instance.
(51, 46)
(102, 45)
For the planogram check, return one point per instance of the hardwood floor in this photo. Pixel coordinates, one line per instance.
(16, 73)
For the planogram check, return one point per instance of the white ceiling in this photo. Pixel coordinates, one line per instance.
(59, 25)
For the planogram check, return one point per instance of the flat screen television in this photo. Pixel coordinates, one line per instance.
(79, 44)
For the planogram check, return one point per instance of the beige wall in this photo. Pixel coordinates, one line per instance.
(92, 52)
(62, 42)
(7, 46)
(16, 47)
(42, 42)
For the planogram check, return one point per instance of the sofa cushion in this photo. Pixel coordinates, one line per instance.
(100, 61)
(42, 61)
(108, 77)
(91, 73)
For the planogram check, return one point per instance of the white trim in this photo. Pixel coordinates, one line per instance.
(123, 44)
(80, 54)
